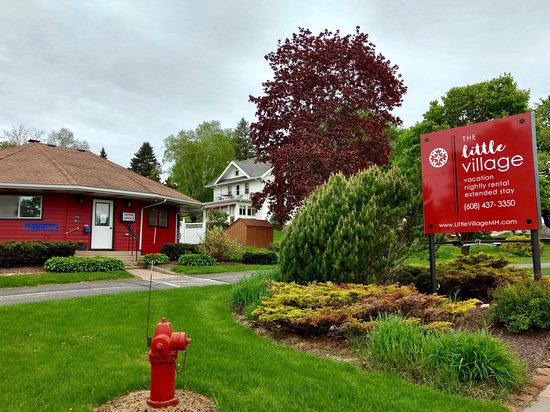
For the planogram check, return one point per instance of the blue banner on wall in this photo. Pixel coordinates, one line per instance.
(41, 227)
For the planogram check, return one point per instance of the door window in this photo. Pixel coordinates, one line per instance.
(102, 214)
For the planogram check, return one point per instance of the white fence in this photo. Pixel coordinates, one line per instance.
(192, 232)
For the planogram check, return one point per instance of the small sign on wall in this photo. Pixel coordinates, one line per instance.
(41, 227)
(128, 216)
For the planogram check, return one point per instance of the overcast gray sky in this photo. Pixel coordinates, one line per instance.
(118, 73)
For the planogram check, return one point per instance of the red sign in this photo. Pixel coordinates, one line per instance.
(481, 177)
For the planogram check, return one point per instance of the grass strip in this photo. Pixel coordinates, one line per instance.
(78, 353)
(59, 278)
(206, 270)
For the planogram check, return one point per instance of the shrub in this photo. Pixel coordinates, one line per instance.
(472, 276)
(83, 264)
(192, 259)
(519, 248)
(476, 276)
(160, 258)
(322, 307)
(175, 250)
(355, 229)
(274, 246)
(417, 275)
(33, 251)
(522, 306)
(453, 361)
(259, 257)
(219, 244)
(247, 294)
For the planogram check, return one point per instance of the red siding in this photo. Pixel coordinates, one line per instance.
(152, 243)
(62, 210)
(71, 215)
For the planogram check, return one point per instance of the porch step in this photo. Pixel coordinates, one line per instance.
(131, 261)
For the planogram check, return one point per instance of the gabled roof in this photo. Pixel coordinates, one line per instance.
(249, 168)
(48, 167)
(253, 222)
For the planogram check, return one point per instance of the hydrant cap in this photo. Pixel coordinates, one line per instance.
(163, 328)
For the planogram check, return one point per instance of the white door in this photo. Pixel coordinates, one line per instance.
(102, 224)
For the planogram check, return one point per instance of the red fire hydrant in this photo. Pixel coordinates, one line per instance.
(163, 354)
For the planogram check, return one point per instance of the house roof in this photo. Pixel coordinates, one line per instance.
(47, 167)
(249, 167)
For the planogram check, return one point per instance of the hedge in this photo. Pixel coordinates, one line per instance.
(83, 264)
(33, 252)
(175, 250)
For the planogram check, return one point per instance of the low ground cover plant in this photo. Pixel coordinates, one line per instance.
(522, 306)
(175, 250)
(472, 276)
(158, 258)
(196, 259)
(462, 362)
(83, 264)
(33, 251)
(351, 308)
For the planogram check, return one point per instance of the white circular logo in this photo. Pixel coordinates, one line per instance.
(438, 157)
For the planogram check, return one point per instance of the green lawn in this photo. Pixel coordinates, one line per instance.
(78, 353)
(278, 235)
(204, 270)
(445, 252)
(58, 278)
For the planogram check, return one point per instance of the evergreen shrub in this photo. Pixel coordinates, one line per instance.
(476, 276)
(174, 250)
(522, 306)
(196, 259)
(472, 276)
(83, 264)
(339, 309)
(160, 258)
(33, 252)
(356, 229)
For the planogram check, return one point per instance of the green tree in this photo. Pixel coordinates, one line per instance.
(488, 100)
(198, 156)
(65, 138)
(145, 162)
(244, 148)
(103, 153)
(542, 123)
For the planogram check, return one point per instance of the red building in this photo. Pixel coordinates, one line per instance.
(56, 193)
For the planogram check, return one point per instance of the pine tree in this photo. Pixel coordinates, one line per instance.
(244, 149)
(145, 162)
(355, 229)
(103, 153)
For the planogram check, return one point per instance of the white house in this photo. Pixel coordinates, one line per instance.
(234, 187)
